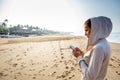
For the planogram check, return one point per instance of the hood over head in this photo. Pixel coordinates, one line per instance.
(101, 28)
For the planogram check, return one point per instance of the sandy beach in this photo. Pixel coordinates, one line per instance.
(47, 58)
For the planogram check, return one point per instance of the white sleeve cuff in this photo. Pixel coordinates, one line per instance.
(79, 58)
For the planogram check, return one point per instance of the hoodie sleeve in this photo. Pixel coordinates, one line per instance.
(91, 71)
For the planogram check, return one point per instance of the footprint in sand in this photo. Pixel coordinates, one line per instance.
(53, 74)
(66, 67)
(79, 70)
(22, 67)
(117, 72)
(19, 73)
(43, 69)
(64, 74)
(15, 64)
(115, 59)
(61, 53)
(39, 71)
(58, 77)
(61, 76)
(73, 75)
(76, 64)
(112, 65)
(118, 59)
(112, 59)
(2, 74)
(62, 57)
(72, 68)
(60, 61)
(34, 77)
(69, 77)
(11, 71)
(15, 78)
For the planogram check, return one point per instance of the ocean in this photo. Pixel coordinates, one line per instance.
(113, 37)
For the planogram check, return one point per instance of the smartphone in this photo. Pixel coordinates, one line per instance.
(72, 47)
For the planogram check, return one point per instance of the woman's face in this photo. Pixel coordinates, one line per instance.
(87, 31)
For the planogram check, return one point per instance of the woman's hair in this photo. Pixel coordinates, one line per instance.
(88, 23)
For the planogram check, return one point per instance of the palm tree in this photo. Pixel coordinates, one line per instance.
(4, 26)
(4, 23)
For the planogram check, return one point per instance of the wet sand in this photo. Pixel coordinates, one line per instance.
(47, 58)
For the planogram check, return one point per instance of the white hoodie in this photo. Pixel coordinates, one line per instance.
(94, 66)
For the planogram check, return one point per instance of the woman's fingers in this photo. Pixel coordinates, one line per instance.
(76, 53)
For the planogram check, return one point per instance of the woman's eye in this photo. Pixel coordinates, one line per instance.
(86, 30)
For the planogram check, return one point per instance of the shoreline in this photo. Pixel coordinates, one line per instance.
(43, 39)
(38, 39)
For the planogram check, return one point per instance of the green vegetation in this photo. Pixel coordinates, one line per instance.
(3, 27)
(24, 30)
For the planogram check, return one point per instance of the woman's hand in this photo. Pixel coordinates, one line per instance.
(77, 52)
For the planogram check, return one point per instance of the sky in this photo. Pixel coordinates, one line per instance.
(59, 15)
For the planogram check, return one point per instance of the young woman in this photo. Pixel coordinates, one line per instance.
(95, 61)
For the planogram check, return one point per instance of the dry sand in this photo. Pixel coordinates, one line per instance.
(47, 58)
